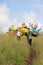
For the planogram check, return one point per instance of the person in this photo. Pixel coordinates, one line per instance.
(29, 38)
(18, 34)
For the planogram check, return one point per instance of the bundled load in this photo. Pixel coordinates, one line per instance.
(12, 28)
(24, 29)
(35, 32)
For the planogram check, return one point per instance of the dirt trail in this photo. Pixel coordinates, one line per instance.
(32, 57)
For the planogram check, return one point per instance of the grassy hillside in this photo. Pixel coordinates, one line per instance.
(38, 46)
(14, 52)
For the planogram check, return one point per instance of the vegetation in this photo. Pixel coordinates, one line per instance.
(38, 46)
(14, 52)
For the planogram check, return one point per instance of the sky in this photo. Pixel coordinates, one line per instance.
(15, 12)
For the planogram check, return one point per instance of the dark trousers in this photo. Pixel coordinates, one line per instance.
(18, 37)
(30, 42)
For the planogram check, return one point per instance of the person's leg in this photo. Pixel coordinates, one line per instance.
(30, 42)
(18, 37)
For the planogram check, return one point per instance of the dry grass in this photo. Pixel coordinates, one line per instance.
(14, 52)
(38, 45)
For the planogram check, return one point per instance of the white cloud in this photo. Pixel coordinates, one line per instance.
(15, 22)
(5, 22)
(4, 13)
(4, 16)
(38, 5)
(31, 18)
(37, 1)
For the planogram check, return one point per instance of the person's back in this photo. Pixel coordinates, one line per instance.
(29, 35)
(29, 38)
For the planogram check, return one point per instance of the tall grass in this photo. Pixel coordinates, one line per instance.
(38, 46)
(12, 51)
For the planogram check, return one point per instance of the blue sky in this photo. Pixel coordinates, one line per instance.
(18, 7)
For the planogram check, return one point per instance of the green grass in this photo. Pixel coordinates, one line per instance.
(38, 46)
(12, 51)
